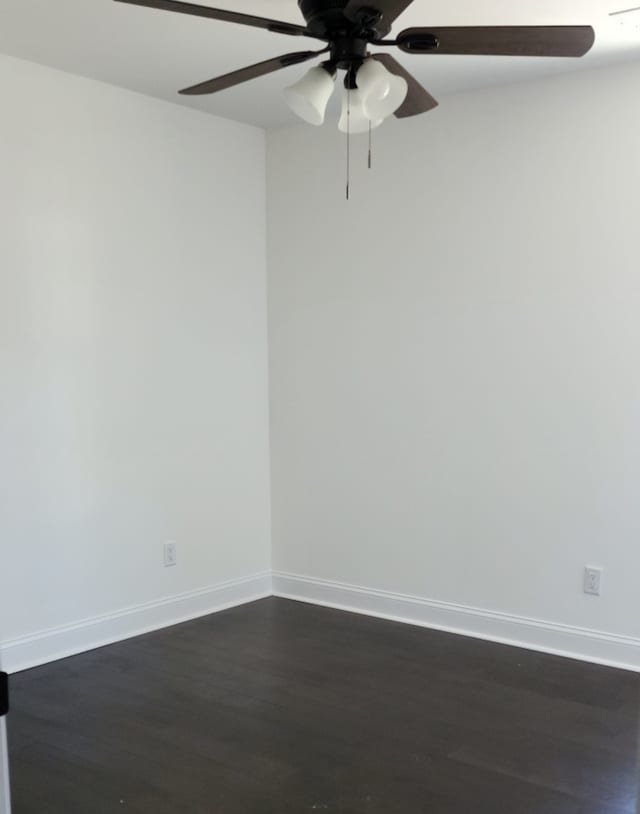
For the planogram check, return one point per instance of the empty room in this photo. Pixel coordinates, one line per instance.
(319, 407)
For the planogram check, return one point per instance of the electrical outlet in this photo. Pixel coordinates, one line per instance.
(592, 580)
(170, 555)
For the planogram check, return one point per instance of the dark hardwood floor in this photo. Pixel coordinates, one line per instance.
(281, 708)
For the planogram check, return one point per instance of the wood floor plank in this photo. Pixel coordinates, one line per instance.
(285, 707)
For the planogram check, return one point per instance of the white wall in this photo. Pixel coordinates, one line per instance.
(455, 359)
(133, 358)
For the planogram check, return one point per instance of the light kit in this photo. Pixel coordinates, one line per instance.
(371, 94)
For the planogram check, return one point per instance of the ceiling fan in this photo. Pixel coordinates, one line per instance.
(376, 85)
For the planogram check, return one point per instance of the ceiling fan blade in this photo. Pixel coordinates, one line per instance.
(388, 9)
(250, 72)
(220, 14)
(418, 99)
(517, 41)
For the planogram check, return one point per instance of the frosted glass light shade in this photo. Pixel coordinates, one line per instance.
(309, 97)
(354, 118)
(382, 91)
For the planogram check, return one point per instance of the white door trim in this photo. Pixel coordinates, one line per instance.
(5, 790)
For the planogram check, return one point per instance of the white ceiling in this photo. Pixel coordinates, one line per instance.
(157, 52)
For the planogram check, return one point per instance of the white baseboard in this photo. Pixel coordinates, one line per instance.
(87, 634)
(533, 634)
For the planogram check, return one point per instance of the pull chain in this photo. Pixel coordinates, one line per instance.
(370, 148)
(348, 139)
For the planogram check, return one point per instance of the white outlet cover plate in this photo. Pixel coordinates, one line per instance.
(592, 581)
(170, 556)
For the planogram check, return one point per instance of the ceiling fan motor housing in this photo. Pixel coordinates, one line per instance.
(326, 19)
